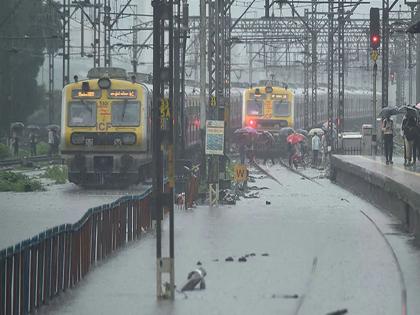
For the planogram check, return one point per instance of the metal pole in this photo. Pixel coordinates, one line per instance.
(341, 62)
(135, 50)
(330, 66)
(374, 131)
(418, 59)
(250, 65)
(107, 33)
(203, 101)
(410, 61)
(50, 87)
(173, 84)
(306, 76)
(314, 100)
(156, 134)
(385, 52)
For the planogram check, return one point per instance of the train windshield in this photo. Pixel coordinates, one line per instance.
(82, 114)
(281, 108)
(255, 107)
(126, 113)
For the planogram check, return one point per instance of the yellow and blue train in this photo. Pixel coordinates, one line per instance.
(106, 122)
(106, 129)
(268, 108)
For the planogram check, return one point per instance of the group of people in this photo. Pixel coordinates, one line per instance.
(299, 151)
(53, 142)
(411, 133)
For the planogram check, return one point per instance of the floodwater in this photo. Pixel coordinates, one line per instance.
(320, 248)
(24, 215)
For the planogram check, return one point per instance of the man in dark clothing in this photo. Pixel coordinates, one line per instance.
(409, 127)
(416, 143)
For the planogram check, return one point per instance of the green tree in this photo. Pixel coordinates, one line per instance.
(28, 29)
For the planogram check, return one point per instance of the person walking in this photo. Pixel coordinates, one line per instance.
(416, 147)
(388, 132)
(15, 145)
(409, 129)
(316, 142)
(324, 148)
(51, 139)
(417, 141)
(32, 143)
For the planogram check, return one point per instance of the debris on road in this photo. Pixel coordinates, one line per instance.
(194, 278)
(285, 296)
(339, 312)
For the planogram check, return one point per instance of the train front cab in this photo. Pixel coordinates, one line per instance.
(105, 138)
(268, 108)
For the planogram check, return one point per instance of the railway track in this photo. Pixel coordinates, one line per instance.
(10, 163)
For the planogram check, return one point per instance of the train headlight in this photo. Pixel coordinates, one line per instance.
(129, 138)
(77, 138)
(104, 83)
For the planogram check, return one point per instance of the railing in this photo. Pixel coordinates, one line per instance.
(38, 269)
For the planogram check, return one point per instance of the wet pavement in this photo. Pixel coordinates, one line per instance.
(24, 215)
(320, 247)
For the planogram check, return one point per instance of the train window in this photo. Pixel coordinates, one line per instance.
(280, 108)
(125, 113)
(255, 107)
(82, 114)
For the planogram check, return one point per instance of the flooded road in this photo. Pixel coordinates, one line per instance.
(24, 215)
(323, 255)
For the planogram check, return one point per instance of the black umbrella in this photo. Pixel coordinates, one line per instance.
(407, 110)
(303, 132)
(17, 125)
(388, 111)
(53, 127)
(286, 131)
(266, 137)
(32, 127)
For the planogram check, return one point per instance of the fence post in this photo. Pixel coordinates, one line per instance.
(67, 256)
(54, 261)
(40, 274)
(61, 250)
(2, 281)
(25, 266)
(33, 273)
(9, 279)
(16, 278)
(93, 237)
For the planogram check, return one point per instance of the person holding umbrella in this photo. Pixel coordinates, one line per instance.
(409, 125)
(388, 132)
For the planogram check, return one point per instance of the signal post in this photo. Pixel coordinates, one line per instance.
(375, 41)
